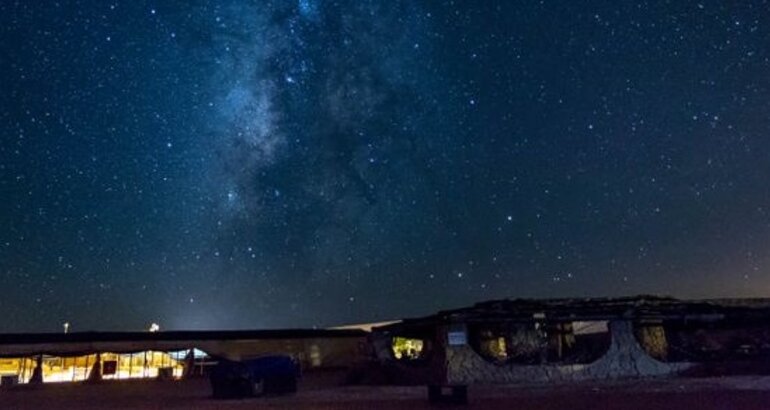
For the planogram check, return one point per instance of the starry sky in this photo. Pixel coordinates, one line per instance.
(247, 164)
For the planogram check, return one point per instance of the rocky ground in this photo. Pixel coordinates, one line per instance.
(320, 393)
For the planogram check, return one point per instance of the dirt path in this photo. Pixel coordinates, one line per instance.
(728, 393)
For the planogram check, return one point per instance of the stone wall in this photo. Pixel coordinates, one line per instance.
(624, 358)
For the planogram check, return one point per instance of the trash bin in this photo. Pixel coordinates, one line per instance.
(9, 380)
(165, 373)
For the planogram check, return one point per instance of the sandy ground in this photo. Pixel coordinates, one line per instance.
(319, 393)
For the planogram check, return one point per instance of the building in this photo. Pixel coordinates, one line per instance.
(127, 355)
(559, 340)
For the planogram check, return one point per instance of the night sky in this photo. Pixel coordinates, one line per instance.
(250, 164)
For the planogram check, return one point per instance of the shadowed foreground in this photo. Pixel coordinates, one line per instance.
(723, 393)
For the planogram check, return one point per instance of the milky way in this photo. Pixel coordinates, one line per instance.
(246, 164)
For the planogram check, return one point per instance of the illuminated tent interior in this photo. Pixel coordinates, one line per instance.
(43, 358)
(113, 366)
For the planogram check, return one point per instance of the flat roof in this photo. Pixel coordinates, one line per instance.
(211, 341)
(640, 308)
(86, 337)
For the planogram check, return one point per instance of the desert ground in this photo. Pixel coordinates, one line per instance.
(321, 392)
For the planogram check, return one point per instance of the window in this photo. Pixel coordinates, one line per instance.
(408, 349)
(503, 342)
(540, 342)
